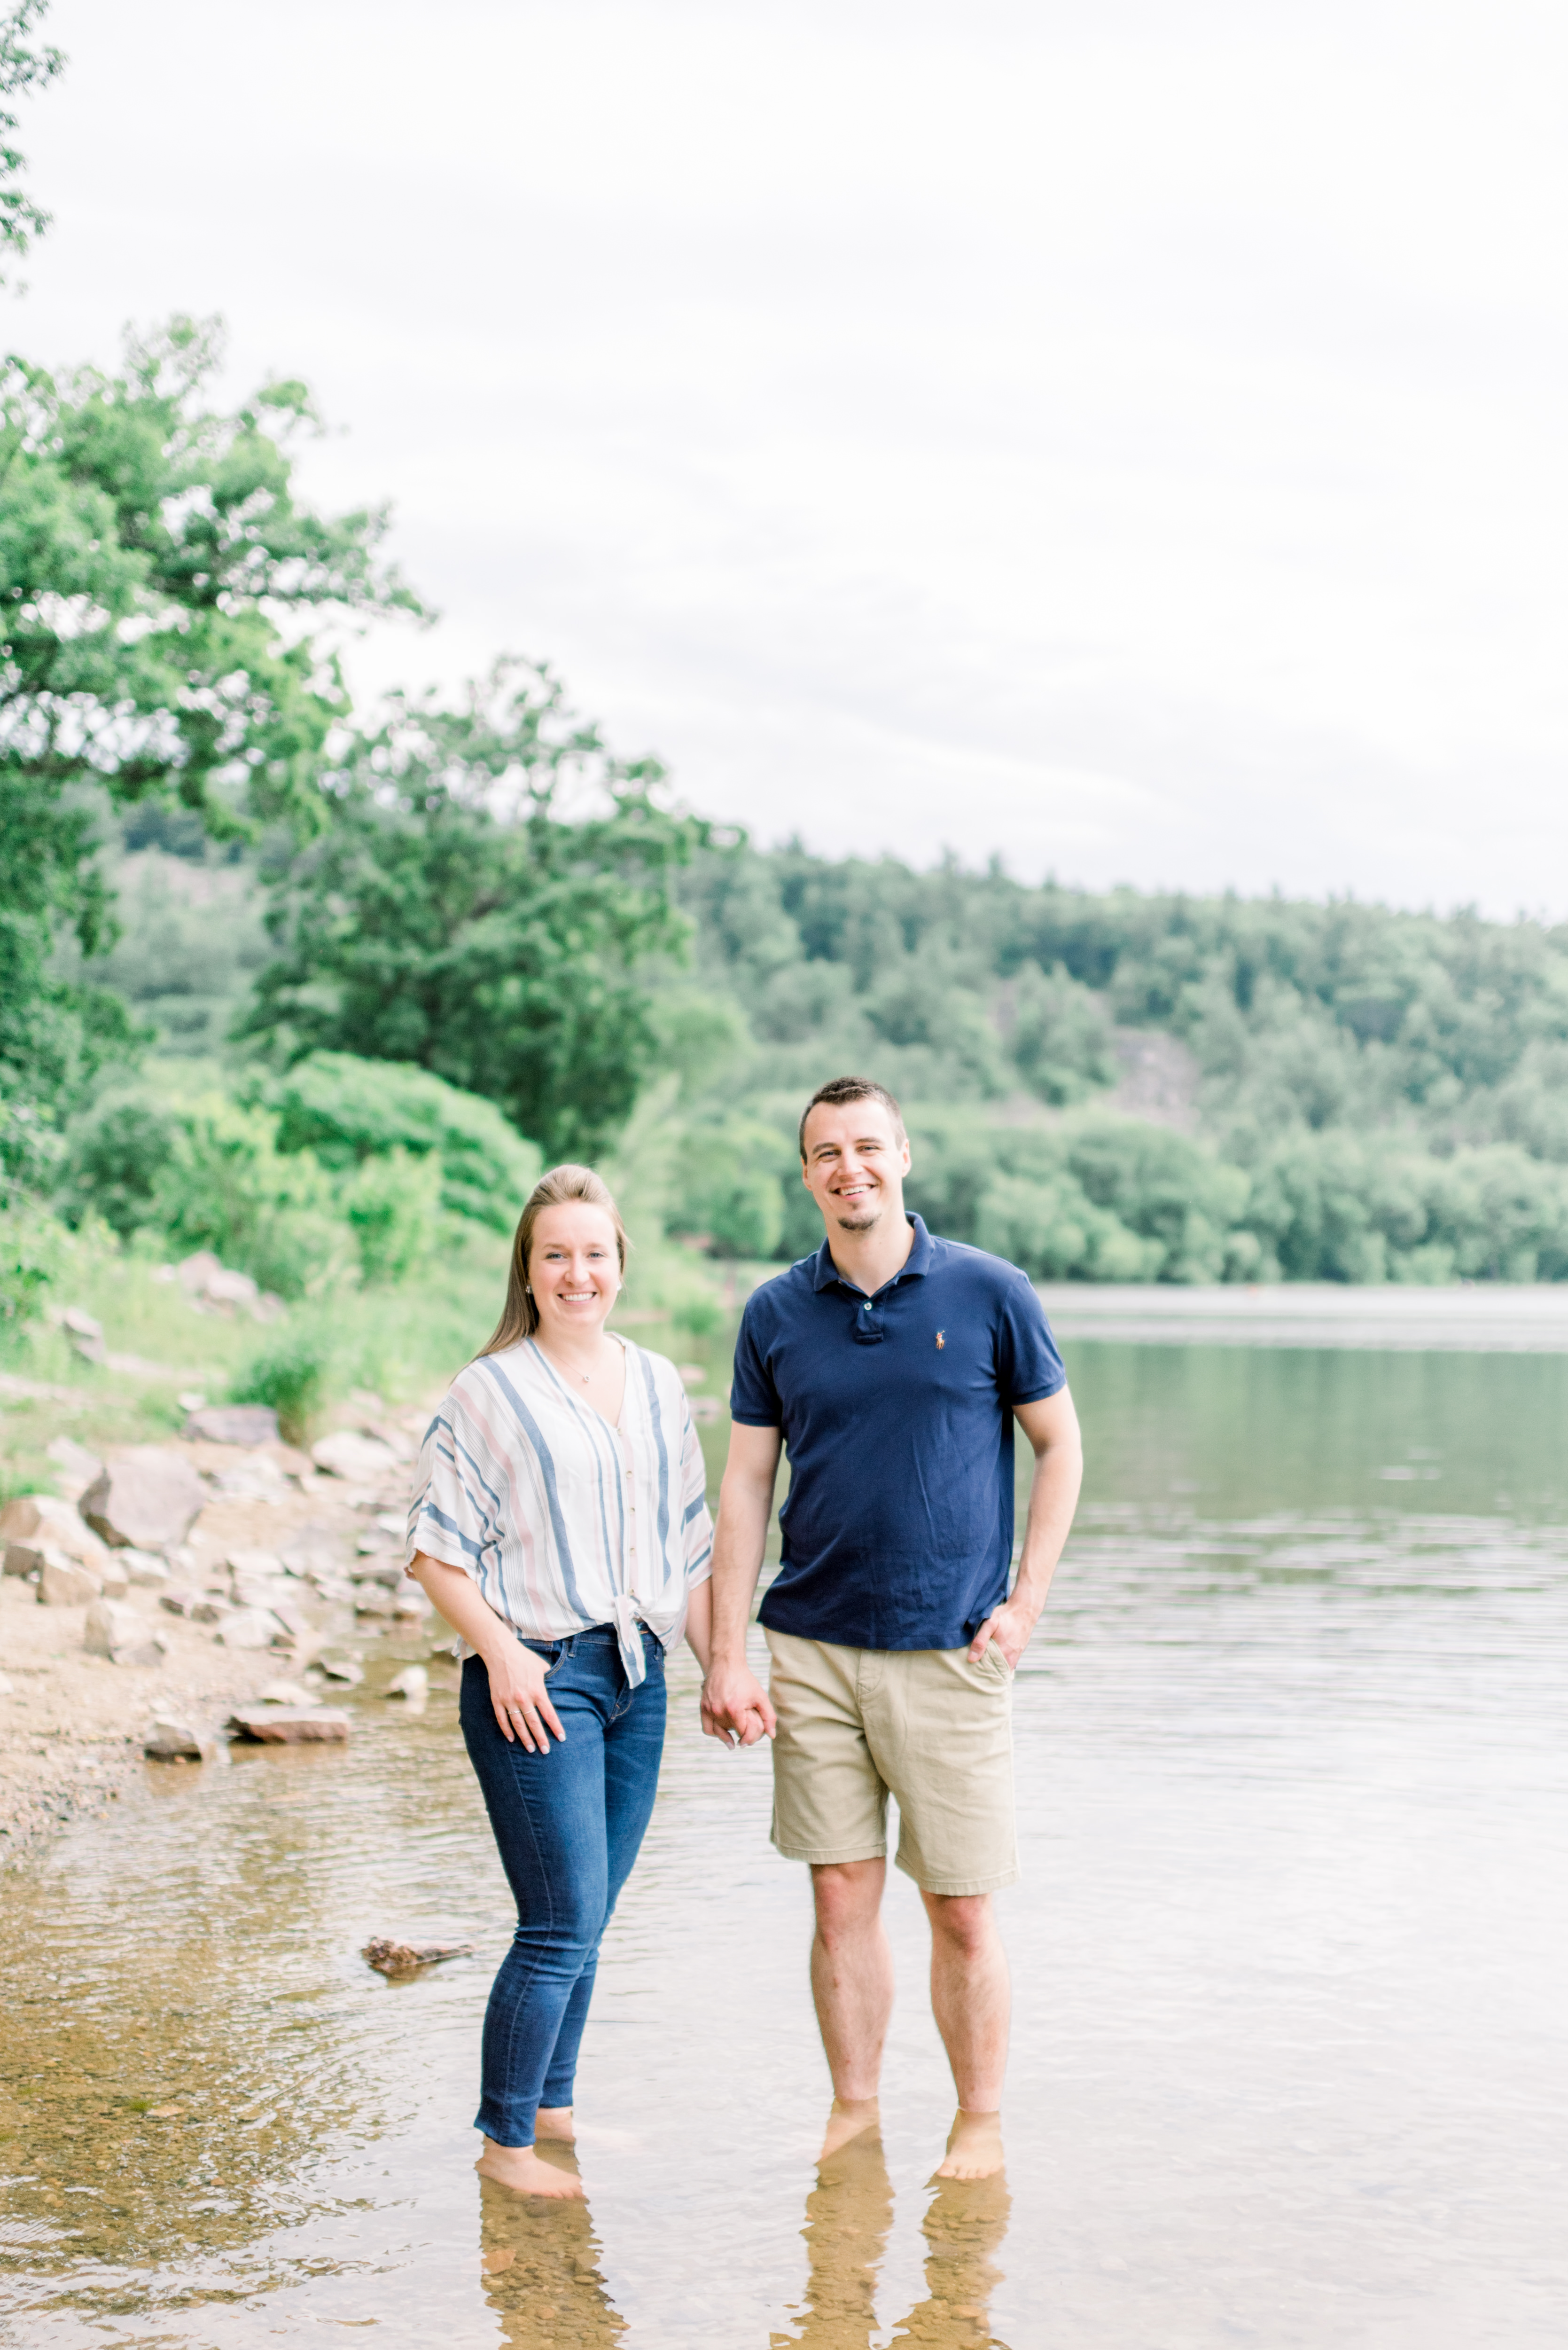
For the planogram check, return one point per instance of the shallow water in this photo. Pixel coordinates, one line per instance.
(1289, 2059)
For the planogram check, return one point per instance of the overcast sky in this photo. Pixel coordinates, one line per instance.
(1127, 437)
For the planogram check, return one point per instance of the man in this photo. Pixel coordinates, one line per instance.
(893, 1366)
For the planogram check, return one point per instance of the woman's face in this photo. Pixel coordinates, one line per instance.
(573, 1269)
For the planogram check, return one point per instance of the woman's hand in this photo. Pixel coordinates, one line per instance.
(518, 1693)
(516, 1674)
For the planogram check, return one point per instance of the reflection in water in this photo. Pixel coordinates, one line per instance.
(848, 2218)
(540, 2262)
(848, 2214)
(963, 2231)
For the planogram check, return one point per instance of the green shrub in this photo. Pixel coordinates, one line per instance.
(34, 1247)
(345, 1111)
(292, 1373)
(119, 1153)
(228, 1188)
(392, 1206)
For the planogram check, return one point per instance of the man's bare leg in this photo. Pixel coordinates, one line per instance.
(972, 1998)
(852, 1986)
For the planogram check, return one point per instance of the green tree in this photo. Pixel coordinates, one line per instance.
(21, 67)
(480, 904)
(158, 583)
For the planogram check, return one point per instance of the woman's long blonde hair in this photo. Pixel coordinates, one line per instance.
(520, 1315)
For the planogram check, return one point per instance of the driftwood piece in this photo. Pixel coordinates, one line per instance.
(408, 1958)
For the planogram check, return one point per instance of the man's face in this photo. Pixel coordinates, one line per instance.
(855, 1165)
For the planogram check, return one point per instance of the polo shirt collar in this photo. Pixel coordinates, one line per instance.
(918, 1260)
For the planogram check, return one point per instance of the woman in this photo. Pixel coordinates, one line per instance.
(559, 1525)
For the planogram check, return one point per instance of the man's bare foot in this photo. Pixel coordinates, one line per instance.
(974, 2146)
(556, 2122)
(849, 2116)
(528, 2173)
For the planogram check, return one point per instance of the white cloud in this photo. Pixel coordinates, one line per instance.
(1123, 438)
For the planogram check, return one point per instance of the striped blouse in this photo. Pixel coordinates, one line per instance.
(562, 1521)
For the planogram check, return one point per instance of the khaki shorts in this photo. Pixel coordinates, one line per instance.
(924, 1725)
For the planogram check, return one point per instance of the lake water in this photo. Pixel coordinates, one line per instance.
(1289, 2065)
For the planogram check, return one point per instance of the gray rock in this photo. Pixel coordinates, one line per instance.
(233, 1423)
(371, 1599)
(85, 1335)
(387, 1572)
(122, 1633)
(283, 1693)
(254, 1565)
(170, 1740)
(77, 1465)
(256, 1479)
(389, 1958)
(362, 1460)
(225, 1288)
(178, 1603)
(209, 1609)
(296, 1630)
(147, 1501)
(348, 1670)
(414, 1683)
(289, 1725)
(218, 1288)
(411, 1606)
(142, 1568)
(7, 1687)
(39, 1518)
(248, 1627)
(65, 1582)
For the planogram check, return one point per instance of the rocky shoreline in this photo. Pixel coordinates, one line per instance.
(254, 1564)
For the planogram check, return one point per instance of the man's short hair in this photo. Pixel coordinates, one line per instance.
(838, 1090)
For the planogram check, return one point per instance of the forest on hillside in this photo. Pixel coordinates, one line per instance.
(1113, 1086)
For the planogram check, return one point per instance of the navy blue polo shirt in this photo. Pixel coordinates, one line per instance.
(896, 1410)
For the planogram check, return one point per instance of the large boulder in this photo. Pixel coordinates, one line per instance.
(233, 1423)
(147, 1501)
(122, 1633)
(33, 1520)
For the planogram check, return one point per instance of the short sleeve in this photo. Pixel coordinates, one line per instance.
(754, 1399)
(1029, 1366)
(696, 1525)
(450, 1515)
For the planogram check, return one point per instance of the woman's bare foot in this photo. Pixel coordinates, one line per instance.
(555, 2121)
(974, 2146)
(528, 2173)
(849, 2116)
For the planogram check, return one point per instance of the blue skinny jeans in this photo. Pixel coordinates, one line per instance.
(568, 1824)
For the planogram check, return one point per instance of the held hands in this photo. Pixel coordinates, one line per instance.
(735, 1709)
(518, 1695)
(1009, 1627)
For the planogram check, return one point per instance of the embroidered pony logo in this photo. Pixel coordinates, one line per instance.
(941, 1340)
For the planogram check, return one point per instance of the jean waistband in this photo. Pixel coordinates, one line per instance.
(598, 1633)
